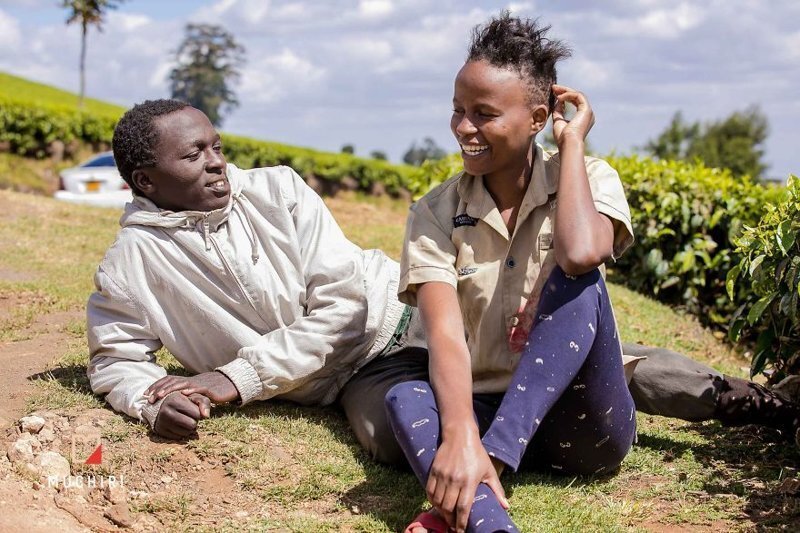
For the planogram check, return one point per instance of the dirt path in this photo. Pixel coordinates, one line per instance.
(26, 509)
(24, 506)
(20, 360)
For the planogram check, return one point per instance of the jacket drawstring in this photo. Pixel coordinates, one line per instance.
(250, 236)
(206, 230)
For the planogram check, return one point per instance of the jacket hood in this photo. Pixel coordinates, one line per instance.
(143, 212)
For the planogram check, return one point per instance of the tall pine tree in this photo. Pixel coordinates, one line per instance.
(207, 63)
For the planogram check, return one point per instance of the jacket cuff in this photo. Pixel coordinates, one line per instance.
(150, 411)
(244, 377)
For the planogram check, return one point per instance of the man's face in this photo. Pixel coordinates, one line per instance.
(190, 171)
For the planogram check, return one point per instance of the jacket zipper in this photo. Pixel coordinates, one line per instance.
(210, 239)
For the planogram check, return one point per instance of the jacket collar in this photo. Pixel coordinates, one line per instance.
(143, 212)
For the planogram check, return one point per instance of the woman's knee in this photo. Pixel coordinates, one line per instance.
(561, 287)
(408, 391)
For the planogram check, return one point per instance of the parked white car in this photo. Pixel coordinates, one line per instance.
(94, 182)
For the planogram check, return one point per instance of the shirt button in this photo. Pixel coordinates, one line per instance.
(510, 263)
(514, 321)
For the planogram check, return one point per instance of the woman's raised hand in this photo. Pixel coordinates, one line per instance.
(578, 126)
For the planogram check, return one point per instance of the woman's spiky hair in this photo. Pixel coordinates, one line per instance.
(523, 46)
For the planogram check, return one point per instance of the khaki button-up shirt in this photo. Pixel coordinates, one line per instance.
(455, 234)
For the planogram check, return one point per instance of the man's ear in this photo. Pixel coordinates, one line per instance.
(538, 118)
(143, 181)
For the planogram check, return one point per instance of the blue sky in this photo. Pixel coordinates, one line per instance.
(378, 73)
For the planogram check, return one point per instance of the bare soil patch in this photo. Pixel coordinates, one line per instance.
(22, 360)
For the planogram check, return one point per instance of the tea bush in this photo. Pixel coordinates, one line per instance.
(769, 272)
(685, 217)
(28, 129)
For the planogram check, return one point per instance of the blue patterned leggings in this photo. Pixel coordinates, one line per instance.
(567, 408)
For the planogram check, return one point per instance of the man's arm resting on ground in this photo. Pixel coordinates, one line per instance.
(122, 351)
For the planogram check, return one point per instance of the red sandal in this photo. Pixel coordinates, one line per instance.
(430, 521)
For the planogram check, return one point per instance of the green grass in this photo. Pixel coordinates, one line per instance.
(300, 469)
(22, 90)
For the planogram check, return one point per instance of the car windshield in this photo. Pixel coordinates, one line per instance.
(102, 161)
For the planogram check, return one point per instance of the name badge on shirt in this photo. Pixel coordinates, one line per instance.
(464, 220)
(545, 241)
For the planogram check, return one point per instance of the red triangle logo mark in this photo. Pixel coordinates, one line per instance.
(97, 456)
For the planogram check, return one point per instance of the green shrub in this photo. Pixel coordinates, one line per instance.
(29, 128)
(432, 173)
(769, 271)
(684, 217)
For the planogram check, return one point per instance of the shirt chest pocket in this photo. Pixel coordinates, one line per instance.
(544, 239)
(476, 284)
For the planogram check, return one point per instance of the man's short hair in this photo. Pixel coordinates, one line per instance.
(135, 136)
(521, 45)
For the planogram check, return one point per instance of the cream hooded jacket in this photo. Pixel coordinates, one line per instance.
(266, 290)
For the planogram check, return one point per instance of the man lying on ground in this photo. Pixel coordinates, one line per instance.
(245, 277)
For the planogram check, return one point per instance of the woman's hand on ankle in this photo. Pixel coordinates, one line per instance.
(461, 463)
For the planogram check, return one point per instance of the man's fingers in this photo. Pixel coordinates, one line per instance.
(174, 385)
(202, 402)
(150, 391)
(164, 386)
(174, 425)
(185, 406)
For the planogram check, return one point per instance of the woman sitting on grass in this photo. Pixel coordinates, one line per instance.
(502, 261)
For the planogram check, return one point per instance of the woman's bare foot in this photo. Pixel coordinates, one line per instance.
(434, 514)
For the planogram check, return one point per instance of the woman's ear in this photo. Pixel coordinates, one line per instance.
(539, 116)
(142, 181)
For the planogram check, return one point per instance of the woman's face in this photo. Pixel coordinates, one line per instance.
(493, 121)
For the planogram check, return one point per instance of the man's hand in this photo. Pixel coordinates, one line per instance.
(576, 128)
(178, 416)
(213, 385)
(459, 466)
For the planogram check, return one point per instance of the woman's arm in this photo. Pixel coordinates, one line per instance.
(461, 462)
(583, 237)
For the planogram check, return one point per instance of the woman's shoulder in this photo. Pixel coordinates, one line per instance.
(597, 168)
(443, 200)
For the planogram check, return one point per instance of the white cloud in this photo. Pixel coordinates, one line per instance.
(519, 8)
(272, 78)
(369, 49)
(375, 9)
(658, 23)
(10, 35)
(128, 22)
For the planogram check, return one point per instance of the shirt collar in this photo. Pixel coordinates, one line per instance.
(479, 203)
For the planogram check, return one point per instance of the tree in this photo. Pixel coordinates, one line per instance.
(87, 12)
(378, 154)
(673, 142)
(208, 60)
(735, 143)
(428, 150)
(348, 149)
